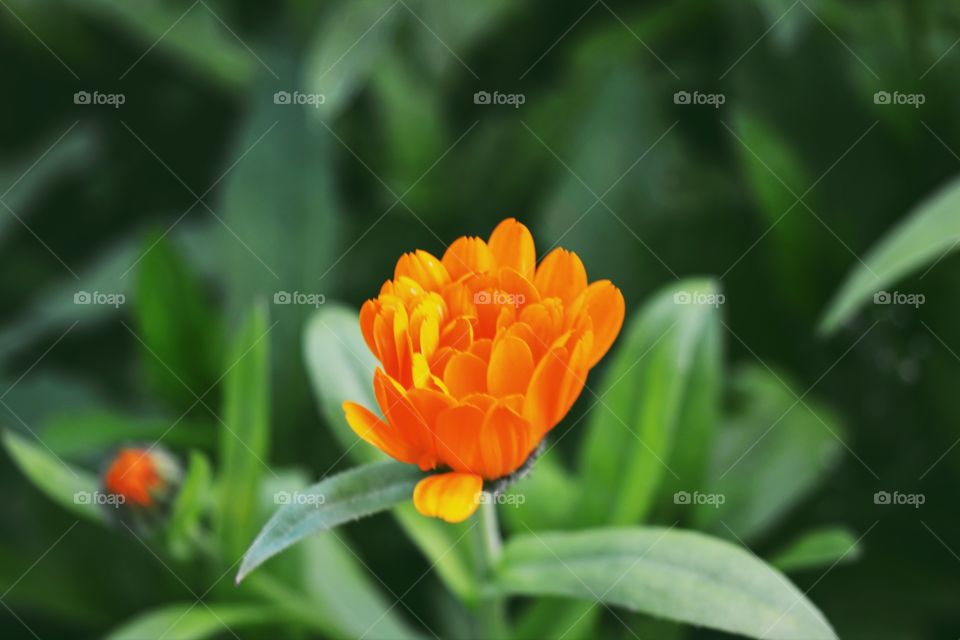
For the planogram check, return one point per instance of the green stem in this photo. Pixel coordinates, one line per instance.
(492, 613)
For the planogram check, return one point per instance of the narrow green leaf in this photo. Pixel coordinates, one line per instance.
(244, 433)
(341, 368)
(346, 48)
(679, 575)
(770, 453)
(183, 530)
(818, 548)
(929, 231)
(640, 414)
(90, 433)
(70, 487)
(196, 621)
(347, 496)
(182, 350)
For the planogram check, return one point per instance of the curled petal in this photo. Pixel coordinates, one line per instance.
(449, 496)
(378, 433)
(465, 374)
(404, 417)
(541, 406)
(603, 303)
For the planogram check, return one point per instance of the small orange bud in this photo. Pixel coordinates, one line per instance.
(138, 475)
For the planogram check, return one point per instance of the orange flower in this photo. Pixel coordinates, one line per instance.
(134, 475)
(482, 353)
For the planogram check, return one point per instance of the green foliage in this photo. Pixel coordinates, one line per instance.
(244, 433)
(652, 409)
(182, 350)
(333, 501)
(924, 236)
(196, 621)
(70, 487)
(680, 575)
(825, 547)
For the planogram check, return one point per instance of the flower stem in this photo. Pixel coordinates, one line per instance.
(492, 612)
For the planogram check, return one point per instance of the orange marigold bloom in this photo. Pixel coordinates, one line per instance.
(482, 353)
(134, 475)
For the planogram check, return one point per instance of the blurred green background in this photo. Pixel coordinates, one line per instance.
(207, 190)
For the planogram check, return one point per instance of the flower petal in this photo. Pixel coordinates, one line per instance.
(423, 267)
(465, 374)
(561, 275)
(505, 442)
(378, 433)
(466, 256)
(604, 304)
(449, 496)
(541, 406)
(512, 246)
(405, 419)
(458, 437)
(511, 367)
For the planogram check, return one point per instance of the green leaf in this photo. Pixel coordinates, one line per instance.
(818, 548)
(659, 370)
(540, 502)
(182, 350)
(285, 167)
(560, 618)
(196, 36)
(929, 231)
(346, 49)
(244, 433)
(183, 529)
(770, 453)
(66, 485)
(79, 433)
(341, 368)
(195, 621)
(679, 575)
(340, 498)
